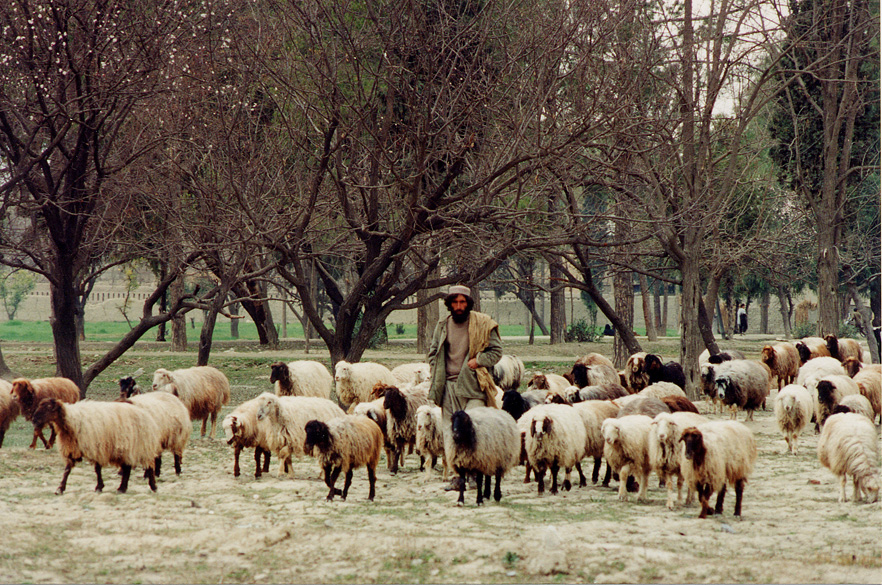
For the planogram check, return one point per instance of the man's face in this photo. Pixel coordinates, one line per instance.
(458, 305)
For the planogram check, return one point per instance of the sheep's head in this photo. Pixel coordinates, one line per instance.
(870, 486)
(268, 406)
(395, 403)
(805, 354)
(463, 430)
(610, 431)
(693, 446)
(852, 366)
(724, 386)
(538, 382)
(49, 410)
(580, 374)
(161, 377)
(557, 398)
(572, 394)
(279, 373)
(768, 356)
(128, 387)
(231, 428)
(317, 435)
(342, 371)
(832, 345)
(23, 391)
(716, 359)
(379, 390)
(513, 403)
(653, 362)
(424, 418)
(827, 393)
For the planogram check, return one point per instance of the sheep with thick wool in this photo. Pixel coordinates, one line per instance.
(869, 383)
(106, 433)
(430, 437)
(355, 381)
(817, 368)
(243, 431)
(664, 372)
(556, 438)
(341, 445)
(549, 383)
(724, 355)
(482, 441)
(831, 390)
(204, 390)
(508, 372)
(593, 375)
(375, 411)
(849, 445)
(679, 404)
(664, 451)
(413, 373)
(301, 378)
(626, 450)
(29, 393)
(593, 413)
(170, 415)
(602, 392)
(844, 348)
(810, 348)
(715, 454)
(855, 403)
(783, 361)
(793, 411)
(594, 358)
(9, 408)
(401, 411)
(637, 404)
(285, 418)
(661, 389)
(743, 384)
(636, 376)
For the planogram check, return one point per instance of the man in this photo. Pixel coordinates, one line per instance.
(741, 320)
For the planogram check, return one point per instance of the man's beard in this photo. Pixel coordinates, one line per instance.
(460, 319)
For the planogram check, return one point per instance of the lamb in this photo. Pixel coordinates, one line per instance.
(743, 384)
(170, 416)
(646, 405)
(715, 454)
(679, 404)
(669, 372)
(517, 403)
(285, 419)
(593, 413)
(106, 433)
(243, 431)
(508, 372)
(430, 437)
(626, 450)
(844, 348)
(793, 411)
(664, 451)
(855, 403)
(849, 445)
(810, 348)
(401, 411)
(549, 382)
(29, 393)
(556, 438)
(603, 392)
(301, 378)
(831, 390)
(783, 361)
(9, 408)
(355, 381)
(869, 382)
(414, 373)
(662, 389)
(483, 441)
(204, 390)
(635, 372)
(593, 375)
(341, 445)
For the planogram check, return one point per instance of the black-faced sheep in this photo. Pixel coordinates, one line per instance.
(508, 372)
(636, 376)
(243, 431)
(869, 382)
(593, 413)
(430, 437)
(482, 441)
(849, 445)
(355, 381)
(414, 373)
(669, 372)
(341, 445)
(593, 375)
(743, 384)
(626, 450)
(793, 411)
(106, 433)
(401, 413)
(844, 348)
(831, 390)
(29, 393)
(556, 438)
(783, 361)
(9, 408)
(301, 378)
(810, 348)
(664, 451)
(679, 404)
(715, 454)
(517, 403)
(204, 390)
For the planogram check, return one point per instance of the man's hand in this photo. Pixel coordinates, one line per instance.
(473, 363)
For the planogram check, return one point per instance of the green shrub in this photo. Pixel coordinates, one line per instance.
(804, 330)
(581, 332)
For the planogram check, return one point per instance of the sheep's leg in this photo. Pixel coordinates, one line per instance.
(204, 421)
(331, 479)
(67, 469)
(423, 463)
(595, 473)
(529, 469)
(346, 483)
(583, 481)
(51, 436)
(157, 465)
(623, 482)
(721, 495)
(644, 484)
(567, 485)
(33, 444)
(856, 494)
(842, 481)
(608, 476)
(213, 425)
(2, 435)
(554, 469)
(497, 493)
(479, 479)
(372, 480)
(462, 486)
(178, 458)
(151, 479)
(672, 491)
(487, 479)
(100, 485)
(739, 493)
(539, 474)
(703, 496)
(124, 484)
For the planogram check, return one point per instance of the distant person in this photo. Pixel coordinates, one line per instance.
(608, 330)
(741, 320)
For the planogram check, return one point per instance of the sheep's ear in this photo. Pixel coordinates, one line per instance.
(533, 428)
(546, 425)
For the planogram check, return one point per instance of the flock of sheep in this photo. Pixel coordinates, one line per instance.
(638, 421)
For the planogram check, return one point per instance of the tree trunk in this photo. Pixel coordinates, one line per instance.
(63, 297)
(5, 372)
(785, 306)
(558, 306)
(664, 316)
(647, 311)
(179, 323)
(656, 302)
(623, 330)
(427, 317)
(623, 292)
(205, 335)
(690, 334)
(476, 296)
(234, 323)
(828, 282)
(765, 301)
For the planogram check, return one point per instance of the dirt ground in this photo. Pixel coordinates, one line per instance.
(208, 527)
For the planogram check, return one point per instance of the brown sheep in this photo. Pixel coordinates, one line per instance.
(29, 394)
(783, 361)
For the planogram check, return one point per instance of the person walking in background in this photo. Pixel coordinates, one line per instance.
(741, 319)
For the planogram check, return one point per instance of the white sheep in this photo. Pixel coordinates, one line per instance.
(593, 374)
(508, 372)
(482, 441)
(204, 390)
(29, 393)
(793, 411)
(856, 403)
(106, 433)
(717, 453)
(869, 381)
(430, 437)
(243, 431)
(285, 418)
(817, 368)
(661, 389)
(593, 413)
(355, 381)
(552, 383)
(723, 356)
(173, 421)
(626, 450)
(301, 378)
(556, 438)
(401, 412)
(664, 451)
(413, 373)
(743, 384)
(849, 445)
(830, 390)
(341, 445)
(9, 408)
(783, 361)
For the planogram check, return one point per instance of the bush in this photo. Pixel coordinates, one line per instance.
(804, 330)
(848, 330)
(581, 331)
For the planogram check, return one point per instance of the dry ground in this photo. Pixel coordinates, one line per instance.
(208, 527)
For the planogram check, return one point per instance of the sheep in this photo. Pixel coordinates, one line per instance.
(375, 411)
(708, 376)
(844, 348)
(602, 392)
(355, 381)
(853, 365)
(793, 410)
(849, 445)
(662, 389)
(626, 450)
(430, 437)
(783, 361)
(556, 438)
(483, 441)
(301, 378)
(517, 403)
(401, 422)
(106, 433)
(593, 359)
(742, 384)
(669, 372)
(341, 445)
(29, 393)
(831, 390)
(414, 373)
(810, 348)
(170, 415)
(593, 413)
(679, 404)
(724, 355)
(243, 431)
(549, 382)
(715, 454)
(285, 417)
(664, 451)
(645, 405)
(818, 368)
(204, 390)
(508, 372)
(9, 408)
(635, 372)
(869, 382)
(593, 375)
(855, 403)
